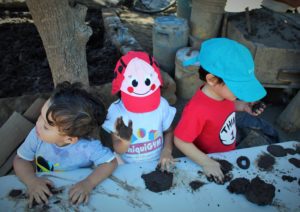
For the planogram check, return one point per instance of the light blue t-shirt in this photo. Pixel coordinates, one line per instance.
(50, 157)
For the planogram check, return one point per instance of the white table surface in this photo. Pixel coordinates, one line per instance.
(126, 191)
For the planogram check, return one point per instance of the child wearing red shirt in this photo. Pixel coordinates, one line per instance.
(207, 124)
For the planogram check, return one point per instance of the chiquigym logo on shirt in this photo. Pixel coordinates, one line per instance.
(145, 147)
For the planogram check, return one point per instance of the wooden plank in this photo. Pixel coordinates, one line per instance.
(12, 134)
(33, 112)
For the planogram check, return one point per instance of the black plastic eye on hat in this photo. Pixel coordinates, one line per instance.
(134, 83)
(147, 81)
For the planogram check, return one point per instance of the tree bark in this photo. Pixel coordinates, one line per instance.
(64, 35)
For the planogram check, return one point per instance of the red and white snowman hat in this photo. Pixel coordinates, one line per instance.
(138, 78)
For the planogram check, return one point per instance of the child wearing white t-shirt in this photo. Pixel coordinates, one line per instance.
(143, 110)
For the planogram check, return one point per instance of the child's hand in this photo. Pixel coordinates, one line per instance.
(122, 131)
(257, 108)
(80, 192)
(212, 169)
(253, 108)
(38, 190)
(166, 160)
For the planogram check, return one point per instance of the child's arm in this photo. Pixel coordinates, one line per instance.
(211, 168)
(122, 137)
(166, 158)
(80, 191)
(37, 187)
(253, 108)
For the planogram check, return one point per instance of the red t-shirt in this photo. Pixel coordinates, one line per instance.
(208, 123)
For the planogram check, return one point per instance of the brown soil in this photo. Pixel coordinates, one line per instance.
(257, 191)
(15, 193)
(295, 162)
(260, 192)
(23, 63)
(265, 162)
(276, 150)
(288, 178)
(226, 168)
(290, 151)
(270, 29)
(196, 184)
(243, 162)
(238, 185)
(158, 181)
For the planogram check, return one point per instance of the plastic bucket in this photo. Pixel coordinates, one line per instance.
(169, 34)
(206, 18)
(186, 78)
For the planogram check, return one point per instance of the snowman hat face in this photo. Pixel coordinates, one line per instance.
(137, 74)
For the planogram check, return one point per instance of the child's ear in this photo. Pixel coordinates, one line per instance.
(211, 79)
(71, 140)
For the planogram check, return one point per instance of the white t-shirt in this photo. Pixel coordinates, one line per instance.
(50, 157)
(147, 136)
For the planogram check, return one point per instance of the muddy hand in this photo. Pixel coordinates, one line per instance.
(123, 131)
(258, 107)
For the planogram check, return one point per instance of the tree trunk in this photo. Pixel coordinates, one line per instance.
(64, 35)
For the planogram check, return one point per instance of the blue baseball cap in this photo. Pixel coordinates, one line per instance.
(233, 63)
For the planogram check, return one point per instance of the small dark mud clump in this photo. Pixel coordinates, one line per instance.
(265, 162)
(288, 178)
(243, 162)
(226, 168)
(290, 151)
(15, 193)
(295, 162)
(158, 181)
(196, 184)
(277, 151)
(238, 185)
(260, 192)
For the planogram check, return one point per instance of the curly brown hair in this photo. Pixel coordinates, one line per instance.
(76, 112)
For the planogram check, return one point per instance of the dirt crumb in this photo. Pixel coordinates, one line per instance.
(238, 185)
(276, 150)
(196, 184)
(158, 181)
(265, 162)
(260, 192)
(295, 162)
